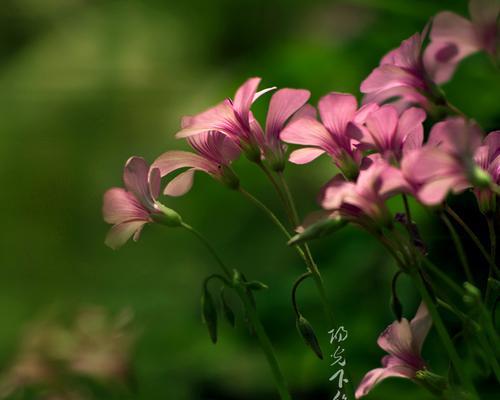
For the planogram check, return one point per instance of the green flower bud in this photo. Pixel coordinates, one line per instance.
(228, 312)
(479, 177)
(306, 331)
(256, 285)
(209, 314)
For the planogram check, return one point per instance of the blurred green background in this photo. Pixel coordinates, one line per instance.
(84, 84)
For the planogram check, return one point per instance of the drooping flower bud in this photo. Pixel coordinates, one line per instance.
(319, 229)
(306, 331)
(209, 314)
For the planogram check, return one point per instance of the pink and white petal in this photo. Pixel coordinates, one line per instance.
(284, 103)
(392, 183)
(410, 129)
(120, 205)
(406, 55)
(305, 155)
(262, 92)
(173, 160)
(181, 184)
(441, 60)
(120, 233)
(334, 193)
(135, 177)
(396, 339)
(306, 131)
(420, 326)
(375, 376)
(336, 110)
(244, 98)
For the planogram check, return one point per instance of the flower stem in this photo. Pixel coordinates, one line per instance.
(474, 238)
(260, 332)
(493, 252)
(459, 247)
(443, 333)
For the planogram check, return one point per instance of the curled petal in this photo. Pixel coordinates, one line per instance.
(305, 155)
(420, 326)
(397, 339)
(181, 184)
(120, 233)
(284, 103)
(375, 376)
(173, 160)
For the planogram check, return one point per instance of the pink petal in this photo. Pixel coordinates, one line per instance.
(119, 234)
(284, 103)
(397, 338)
(434, 192)
(336, 110)
(493, 143)
(406, 55)
(307, 111)
(448, 26)
(484, 12)
(154, 182)
(173, 160)
(306, 131)
(420, 326)
(375, 376)
(244, 98)
(392, 183)
(120, 206)
(135, 177)
(364, 112)
(381, 125)
(181, 184)
(305, 155)
(219, 118)
(387, 77)
(410, 129)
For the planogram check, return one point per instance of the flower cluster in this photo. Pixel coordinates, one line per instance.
(404, 139)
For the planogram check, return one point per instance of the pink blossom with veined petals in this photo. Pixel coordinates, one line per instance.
(454, 37)
(487, 157)
(363, 201)
(445, 164)
(232, 118)
(339, 112)
(131, 208)
(390, 134)
(214, 154)
(403, 341)
(400, 75)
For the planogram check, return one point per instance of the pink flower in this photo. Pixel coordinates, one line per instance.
(232, 118)
(339, 113)
(400, 75)
(389, 134)
(214, 154)
(403, 341)
(454, 37)
(446, 163)
(487, 157)
(363, 202)
(131, 208)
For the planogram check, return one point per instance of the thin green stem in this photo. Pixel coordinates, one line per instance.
(493, 253)
(296, 284)
(289, 197)
(459, 247)
(260, 332)
(474, 238)
(443, 334)
(441, 275)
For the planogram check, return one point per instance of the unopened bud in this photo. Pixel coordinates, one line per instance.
(472, 294)
(256, 285)
(307, 332)
(227, 310)
(209, 314)
(479, 177)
